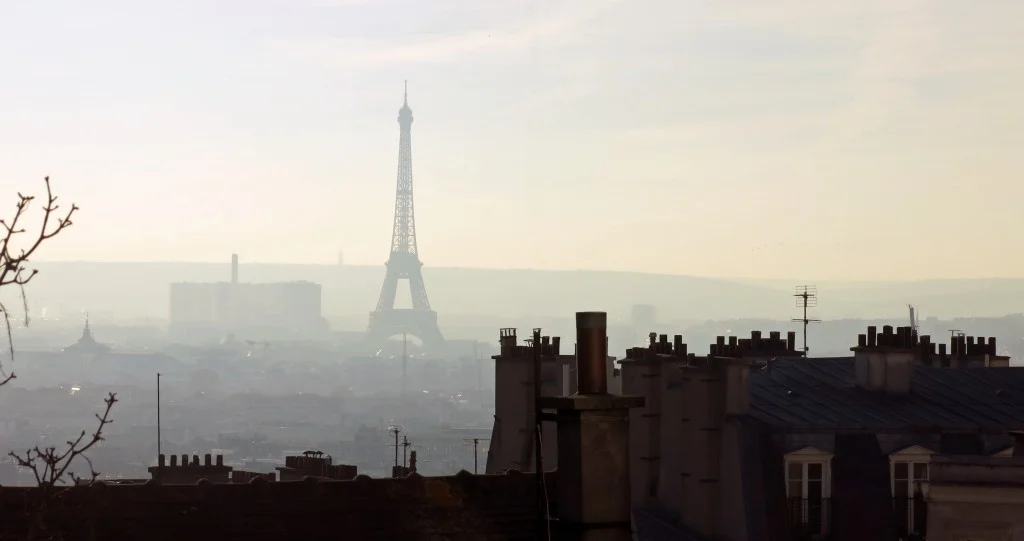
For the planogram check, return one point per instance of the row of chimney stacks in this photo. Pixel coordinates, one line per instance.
(509, 342)
(961, 347)
(207, 461)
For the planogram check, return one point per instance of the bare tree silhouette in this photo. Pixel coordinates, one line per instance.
(14, 269)
(50, 466)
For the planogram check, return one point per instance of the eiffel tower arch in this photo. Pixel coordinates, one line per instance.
(404, 262)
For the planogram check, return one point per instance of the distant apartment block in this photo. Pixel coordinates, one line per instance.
(281, 310)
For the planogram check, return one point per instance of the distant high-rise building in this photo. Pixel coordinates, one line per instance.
(209, 310)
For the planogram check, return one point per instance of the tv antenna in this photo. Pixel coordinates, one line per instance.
(395, 430)
(806, 297)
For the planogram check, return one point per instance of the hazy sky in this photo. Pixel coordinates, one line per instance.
(775, 138)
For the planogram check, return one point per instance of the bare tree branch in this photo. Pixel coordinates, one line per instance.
(50, 466)
(14, 269)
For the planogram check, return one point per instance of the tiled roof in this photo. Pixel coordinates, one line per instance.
(822, 394)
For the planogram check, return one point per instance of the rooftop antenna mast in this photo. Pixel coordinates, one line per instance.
(806, 297)
(913, 318)
(395, 430)
(159, 431)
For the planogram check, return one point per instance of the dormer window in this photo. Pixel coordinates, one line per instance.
(909, 473)
(809, 490)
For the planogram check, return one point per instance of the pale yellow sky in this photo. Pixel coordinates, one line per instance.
(761, 138)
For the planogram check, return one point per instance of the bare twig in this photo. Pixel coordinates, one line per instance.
(50, 466)
(14, 269)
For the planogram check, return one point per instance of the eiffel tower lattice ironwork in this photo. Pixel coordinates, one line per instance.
(404, 262)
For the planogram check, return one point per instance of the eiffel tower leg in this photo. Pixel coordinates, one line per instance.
(418, 291)
(389, 290)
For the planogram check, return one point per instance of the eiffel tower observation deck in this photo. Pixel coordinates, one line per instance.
(404, 262)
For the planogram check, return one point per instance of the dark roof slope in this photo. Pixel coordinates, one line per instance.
(815, 395)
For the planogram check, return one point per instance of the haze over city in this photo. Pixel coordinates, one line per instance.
(511, 271)
(795, 140)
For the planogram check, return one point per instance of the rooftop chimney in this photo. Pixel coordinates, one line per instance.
(885, 362)
(593, 490)
(592, 352)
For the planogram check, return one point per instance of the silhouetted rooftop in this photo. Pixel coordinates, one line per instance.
(815, 395)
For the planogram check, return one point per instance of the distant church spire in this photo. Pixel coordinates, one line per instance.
(405, 99)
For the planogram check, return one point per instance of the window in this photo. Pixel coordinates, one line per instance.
(909, 471)
(808, 489)
(910, 506)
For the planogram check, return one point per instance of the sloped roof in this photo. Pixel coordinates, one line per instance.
(816, 395)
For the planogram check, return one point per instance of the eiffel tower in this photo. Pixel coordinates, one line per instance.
(404, 263)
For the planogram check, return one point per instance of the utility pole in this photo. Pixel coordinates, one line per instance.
(806, 297)
(476, 453)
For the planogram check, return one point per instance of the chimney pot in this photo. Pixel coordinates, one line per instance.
(556, 343)
(653, 337)
(677, 342)
(174, 460)
(862, 340)
(733, 341)
(887, 330)
(207, 459)
(195, 460)
(791, 340)
(872, 336)
(220, 461)
(160, 460)
(592, 352)
(720, 341)
(184, 460)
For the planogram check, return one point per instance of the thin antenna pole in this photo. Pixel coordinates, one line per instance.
(476, 441)
(806, 297)
(396, 430)
(159, 430)
(538, 426)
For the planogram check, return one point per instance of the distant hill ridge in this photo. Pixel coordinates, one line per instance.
(140, 289)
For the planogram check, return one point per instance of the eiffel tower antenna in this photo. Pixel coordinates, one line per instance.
(404, 261)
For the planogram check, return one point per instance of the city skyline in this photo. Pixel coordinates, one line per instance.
(791, 140)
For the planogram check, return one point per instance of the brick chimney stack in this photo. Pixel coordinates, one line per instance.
(593, 489)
